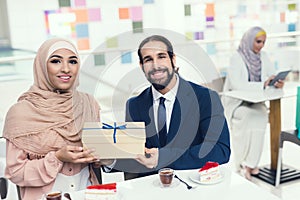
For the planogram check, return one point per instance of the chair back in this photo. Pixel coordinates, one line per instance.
(3, 181)
(3, 187)
(298, 111)
(216, 84)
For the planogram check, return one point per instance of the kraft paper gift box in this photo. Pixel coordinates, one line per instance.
(115, 140)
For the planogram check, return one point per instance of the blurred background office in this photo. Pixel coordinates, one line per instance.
(98, 27)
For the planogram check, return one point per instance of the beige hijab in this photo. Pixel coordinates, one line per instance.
(43, 120)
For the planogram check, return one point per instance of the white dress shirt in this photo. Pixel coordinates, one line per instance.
(169, 102)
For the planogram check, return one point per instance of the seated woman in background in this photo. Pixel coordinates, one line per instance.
(249, 69)
(43, 129)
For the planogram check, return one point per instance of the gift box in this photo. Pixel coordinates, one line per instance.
(115, 140)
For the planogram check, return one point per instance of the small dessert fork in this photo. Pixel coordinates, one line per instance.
(187, 185)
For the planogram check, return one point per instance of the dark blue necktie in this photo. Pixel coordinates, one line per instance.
(161, 119)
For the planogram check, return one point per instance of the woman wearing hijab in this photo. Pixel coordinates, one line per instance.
(249, 69)
(43, 129)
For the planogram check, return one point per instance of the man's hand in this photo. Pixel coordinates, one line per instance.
(151, 160)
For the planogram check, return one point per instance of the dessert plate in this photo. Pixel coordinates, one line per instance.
(194, 176)
(174, 183)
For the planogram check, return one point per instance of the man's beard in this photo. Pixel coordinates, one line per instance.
(161, 85)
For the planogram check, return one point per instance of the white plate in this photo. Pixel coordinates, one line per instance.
(157, 183)
(194, 176)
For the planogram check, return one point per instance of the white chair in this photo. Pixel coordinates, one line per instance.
(285, 175)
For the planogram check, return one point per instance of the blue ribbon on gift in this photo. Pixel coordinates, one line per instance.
(115, 127)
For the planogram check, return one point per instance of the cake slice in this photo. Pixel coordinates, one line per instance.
(209, 172)
(101, 192)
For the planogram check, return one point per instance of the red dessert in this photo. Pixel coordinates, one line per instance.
(101, 192)
(209, 165)
(209, 172)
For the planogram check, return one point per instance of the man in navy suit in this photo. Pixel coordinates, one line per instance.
(197, 130)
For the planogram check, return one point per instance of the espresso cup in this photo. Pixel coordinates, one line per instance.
(166, 176)
(56, 195)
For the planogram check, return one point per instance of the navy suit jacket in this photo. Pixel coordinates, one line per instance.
(198, 130)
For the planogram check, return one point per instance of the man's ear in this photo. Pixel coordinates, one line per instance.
(174, 59)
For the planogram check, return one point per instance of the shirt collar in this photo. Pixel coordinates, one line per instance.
(170, 96)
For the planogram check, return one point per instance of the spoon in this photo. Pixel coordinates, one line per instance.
(187, 185)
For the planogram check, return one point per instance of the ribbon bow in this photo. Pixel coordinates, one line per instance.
(115, 127)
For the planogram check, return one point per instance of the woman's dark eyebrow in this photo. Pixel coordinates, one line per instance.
(62, 57)
(55, 56)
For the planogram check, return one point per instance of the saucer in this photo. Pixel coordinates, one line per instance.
(194, 176)
(157, 183)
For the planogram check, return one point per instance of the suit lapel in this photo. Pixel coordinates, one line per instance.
(183, 103)
(146, 108)
(185, 99)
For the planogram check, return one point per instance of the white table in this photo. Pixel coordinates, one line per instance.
(274, 96)
(232, 187)
(269, 94)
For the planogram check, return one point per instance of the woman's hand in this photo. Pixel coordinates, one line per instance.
(268, 81)
(278, 84)
(75, 154)
(151, 160)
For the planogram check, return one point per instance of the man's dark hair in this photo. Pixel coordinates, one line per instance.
(158, 38)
